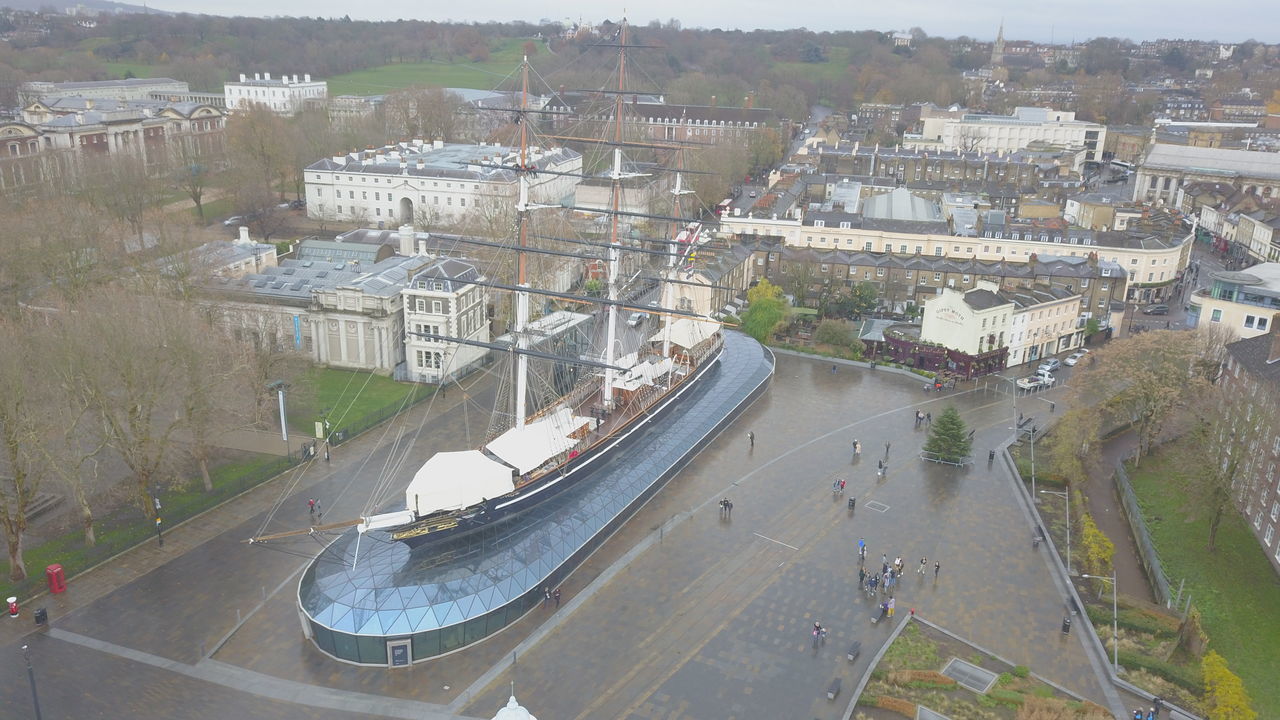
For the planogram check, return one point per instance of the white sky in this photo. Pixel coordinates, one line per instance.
(1057, 20)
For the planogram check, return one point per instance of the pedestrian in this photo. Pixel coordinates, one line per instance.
(556, 595)
(311, 506)
(936, 567)
(729, 507)
(862, 547)
(862, 576)
(722, 508)
(924, 562)
(842, 483)
(928, 418)
(326, 451)
(897, 562)
(886, 451)
(833, 369)
(751, 438)
(880, 464)
(884, 560)
(892, 603)
(991, 456)
(546, 596)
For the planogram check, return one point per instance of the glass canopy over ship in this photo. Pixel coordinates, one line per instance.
(456, 591)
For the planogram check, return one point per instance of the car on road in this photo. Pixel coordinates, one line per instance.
(635, 319)
(1075, 357)
(1049, 365)
(297, 204)
(1035, 382)
(1155, 310)
(235, 220)
(751, 194)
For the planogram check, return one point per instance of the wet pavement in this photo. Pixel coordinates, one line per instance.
(681, 613)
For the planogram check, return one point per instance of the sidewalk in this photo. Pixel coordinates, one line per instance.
(1104, 505)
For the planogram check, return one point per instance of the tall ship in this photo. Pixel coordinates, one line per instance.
(637, 378)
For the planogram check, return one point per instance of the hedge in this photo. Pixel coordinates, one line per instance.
(1133, 619)
(1184, 676)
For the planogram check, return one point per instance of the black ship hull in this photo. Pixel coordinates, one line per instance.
(579, 469)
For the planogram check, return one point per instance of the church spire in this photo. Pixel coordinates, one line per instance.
(997, 48)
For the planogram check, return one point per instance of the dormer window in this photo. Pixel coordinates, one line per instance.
(819, 223)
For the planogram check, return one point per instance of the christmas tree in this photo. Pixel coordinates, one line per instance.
(949, 440)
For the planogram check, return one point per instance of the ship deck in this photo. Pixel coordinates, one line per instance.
(456, 591)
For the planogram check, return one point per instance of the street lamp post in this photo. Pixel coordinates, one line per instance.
(279, 386)
(1115, 623)
(31, 676)
(1067, 497)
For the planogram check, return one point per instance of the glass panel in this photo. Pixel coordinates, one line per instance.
(323, 637)
(450, 638)
(344, 647)
(426, 644)
(373, 649)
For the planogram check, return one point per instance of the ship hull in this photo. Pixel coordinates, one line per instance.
(575, 471)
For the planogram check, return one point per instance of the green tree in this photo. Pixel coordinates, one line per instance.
(766, 309)
(949, 438)
(1224, 692)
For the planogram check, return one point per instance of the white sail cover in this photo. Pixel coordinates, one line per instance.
(688, 332)
(645, 373)
(453, 480)
(528, 447)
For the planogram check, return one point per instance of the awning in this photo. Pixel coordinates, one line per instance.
(454, 480)
(528, 447)
(643, 374)
(688, 332)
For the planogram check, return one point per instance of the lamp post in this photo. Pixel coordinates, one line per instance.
(1115, 622)
(1067, 497)
(279, 386)
(31, 676)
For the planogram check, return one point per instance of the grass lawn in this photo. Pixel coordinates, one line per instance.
(1236, 589)
(352, 396)
(118, 69)
(461, 73)
(832, 69)
(126, 527)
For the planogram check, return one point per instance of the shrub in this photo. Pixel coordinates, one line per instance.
(1224, 692)
(1143, 621)
(905, 708)
(1184, 676)
(920, 679)
(1021, 671)
(1007, 697)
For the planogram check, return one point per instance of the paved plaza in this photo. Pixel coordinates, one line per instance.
(683, 613)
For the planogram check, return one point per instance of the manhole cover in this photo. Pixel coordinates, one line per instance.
(878, 506)
(924, 713)
(969, 675)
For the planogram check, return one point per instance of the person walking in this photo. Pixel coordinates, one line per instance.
(924, 562)
(928, 419)
(862, 575)
(862, 547)
(311, 506)
(833, 369)
(884, 560)
(892, 603)
(556, 595)
(886, 451)
(751, 438)
(936, 567)
(728, 506)
(897, 563)
(546, 596)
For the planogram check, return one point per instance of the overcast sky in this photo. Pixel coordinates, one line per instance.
(1057, 20)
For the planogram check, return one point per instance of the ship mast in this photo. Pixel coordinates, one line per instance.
(676, 252)
(615, 197)
(522, 214)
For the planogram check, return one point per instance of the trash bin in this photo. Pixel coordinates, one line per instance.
(42, 616)
(57, 579)
(1066, 625)
(13, 606)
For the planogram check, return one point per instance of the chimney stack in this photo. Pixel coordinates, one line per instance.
(407, 248)
(243, 239)
(1274, 354)
(713, 101)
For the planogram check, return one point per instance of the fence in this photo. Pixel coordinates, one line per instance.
(1146, 550)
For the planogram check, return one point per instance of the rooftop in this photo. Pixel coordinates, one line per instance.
(1253, 354)
(294, 281)
(1228, 163)
(457, 160)
(901, 204)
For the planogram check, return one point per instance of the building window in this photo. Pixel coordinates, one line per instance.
(938, 251)
(1275, 510)
(867, 246)
(902, 249)
(819, 223)
(420, 305)
(437, 307)
(919, 249)
(937, 277)
(1271, 532)
(1216, 316)
(965, 279)
(909, 274)
(879, 272)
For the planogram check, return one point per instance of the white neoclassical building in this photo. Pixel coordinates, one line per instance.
(1007, 133)
(419, 182)
(1166, 169)
(286, 95)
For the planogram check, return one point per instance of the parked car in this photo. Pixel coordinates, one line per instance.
(1155, 310)
(235, 220)
(298, 204)
(1049, 365)
(1039, 380)
(1075, 357)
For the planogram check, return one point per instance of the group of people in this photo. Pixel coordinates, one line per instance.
(923, 417)
(1153, 713)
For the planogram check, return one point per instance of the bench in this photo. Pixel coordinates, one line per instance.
(854, 650)
(833, 689)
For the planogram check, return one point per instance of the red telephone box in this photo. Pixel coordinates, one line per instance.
(57, 578)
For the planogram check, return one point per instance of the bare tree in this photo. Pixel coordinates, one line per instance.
(970, 138)
(192, 169)
(25, 428)
(122, 186)
(259, 142)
